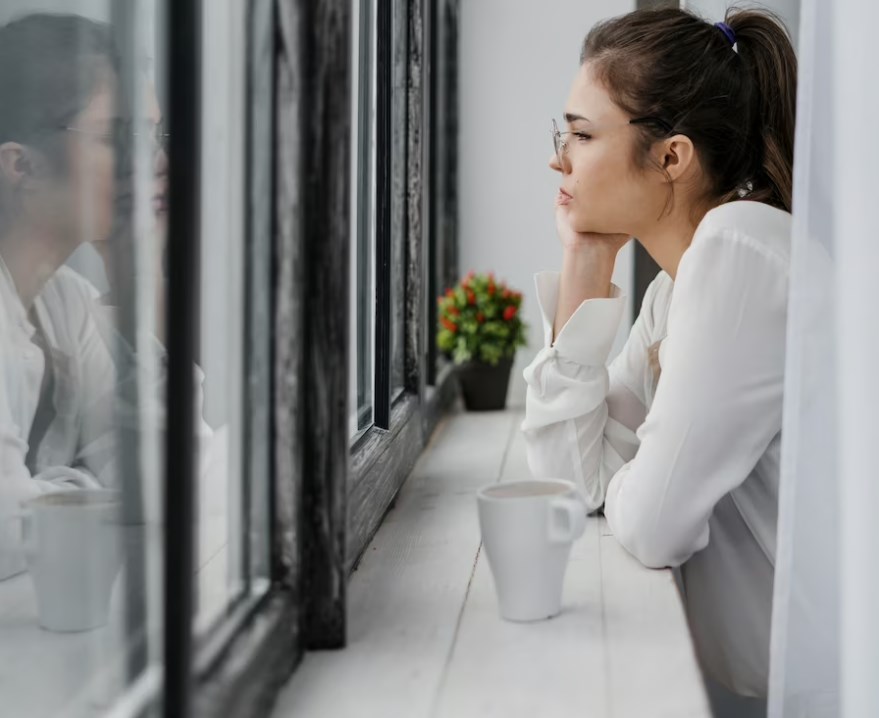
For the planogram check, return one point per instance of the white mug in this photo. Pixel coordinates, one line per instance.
(528, 528)
(73, 546)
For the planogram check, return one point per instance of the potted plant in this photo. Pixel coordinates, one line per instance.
(480, 328)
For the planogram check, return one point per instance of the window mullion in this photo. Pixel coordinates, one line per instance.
(383, 288)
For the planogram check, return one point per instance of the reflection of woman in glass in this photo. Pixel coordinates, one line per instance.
(56, 191)
(63, 368)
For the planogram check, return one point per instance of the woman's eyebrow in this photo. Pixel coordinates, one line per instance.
(571, 117)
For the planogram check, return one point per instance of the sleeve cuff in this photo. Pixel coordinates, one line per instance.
(588, 335)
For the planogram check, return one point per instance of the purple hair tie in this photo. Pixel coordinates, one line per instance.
(728, 31)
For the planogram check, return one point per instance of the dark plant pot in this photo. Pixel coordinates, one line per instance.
(484, 387)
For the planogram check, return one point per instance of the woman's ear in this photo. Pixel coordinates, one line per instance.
(17, 164)
(677, 156)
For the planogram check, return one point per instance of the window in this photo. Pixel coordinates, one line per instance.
(232, 553)
(407, 398)
(143, 514)
(83, 191)
(189, 257)
(363, 215)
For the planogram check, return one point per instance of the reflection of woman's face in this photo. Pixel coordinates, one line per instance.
(86, 201)
(159, 194)
(85, 192)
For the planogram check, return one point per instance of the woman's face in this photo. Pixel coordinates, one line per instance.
(159, 194)
(82, 201)
(607, 192)
(87, 190)
(64, 191)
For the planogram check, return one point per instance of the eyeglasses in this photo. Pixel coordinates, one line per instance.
(123, 130)
(561, 145)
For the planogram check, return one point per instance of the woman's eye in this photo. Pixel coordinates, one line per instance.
(582, 136)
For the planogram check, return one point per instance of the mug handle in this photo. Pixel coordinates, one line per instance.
(574, 520)
(28, 542)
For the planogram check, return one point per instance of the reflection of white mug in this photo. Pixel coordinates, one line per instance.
(527, 531)
(72, 543)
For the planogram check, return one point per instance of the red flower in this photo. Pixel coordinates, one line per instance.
(449, 325)
(509, 313)
(450, 294)
(455, 312)
(471, 297)
(480, 317)
(491, 288)
(506, 294)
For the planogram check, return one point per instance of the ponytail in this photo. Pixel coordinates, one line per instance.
(769, 58)
(738, 107)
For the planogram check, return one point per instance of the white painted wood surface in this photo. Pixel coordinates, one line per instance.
(425, 638)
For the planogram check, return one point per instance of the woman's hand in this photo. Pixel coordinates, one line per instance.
(587, 266)
(573, 240)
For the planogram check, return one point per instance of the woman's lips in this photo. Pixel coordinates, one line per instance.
(563, 197)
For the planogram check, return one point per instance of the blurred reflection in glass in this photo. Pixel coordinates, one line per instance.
(57, 191)
(235, 322)
(81, 373)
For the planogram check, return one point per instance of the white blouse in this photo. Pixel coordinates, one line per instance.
(70, 451)
(687, 467)
(72, 442)
(75, 447)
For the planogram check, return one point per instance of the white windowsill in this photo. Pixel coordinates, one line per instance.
(424, 636)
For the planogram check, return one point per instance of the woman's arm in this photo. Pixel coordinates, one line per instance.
(587, 267)
(718, 405)
(581, 417)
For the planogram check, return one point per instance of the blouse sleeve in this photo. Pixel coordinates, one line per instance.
(718, 404)
(580, 416)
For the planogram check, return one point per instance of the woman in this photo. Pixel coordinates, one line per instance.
(60, 143)
(679, 133)
(57, 191)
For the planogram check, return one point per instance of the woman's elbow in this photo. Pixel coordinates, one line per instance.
(655, 548)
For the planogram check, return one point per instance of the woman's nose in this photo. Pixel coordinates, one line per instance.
(160, 160)
(554, 163)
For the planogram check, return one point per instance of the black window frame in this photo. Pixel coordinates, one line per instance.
(327, 498)
(384, 454)
(302, 49)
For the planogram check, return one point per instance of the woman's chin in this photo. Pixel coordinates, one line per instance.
(592, 226)
(588, 228)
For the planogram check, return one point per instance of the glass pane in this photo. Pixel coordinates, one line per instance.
(83, 200)
(399, 190)
(363, 213)
(259, 359)
(224, 557)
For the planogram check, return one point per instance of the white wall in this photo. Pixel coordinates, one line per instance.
(517, 62)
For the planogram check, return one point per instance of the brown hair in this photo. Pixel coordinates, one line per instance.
(50, 67)
(737, 106)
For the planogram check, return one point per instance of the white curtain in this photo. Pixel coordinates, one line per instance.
(856, 102)
(825, 641)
